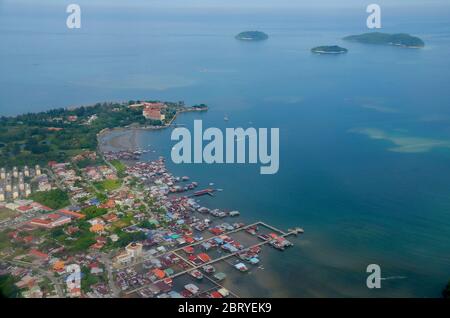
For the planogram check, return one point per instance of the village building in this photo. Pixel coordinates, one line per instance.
(97, 228)
(133, 251)
(25, 208)
(72, 118)
(15, 172)
(27, 190)
(71, 214)
(38, 254)
(153, 114)
(58, 266)
(153, 111)
(15, 192)
(51, 220)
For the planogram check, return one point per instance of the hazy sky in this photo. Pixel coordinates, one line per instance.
(334, 7)
(239, 3)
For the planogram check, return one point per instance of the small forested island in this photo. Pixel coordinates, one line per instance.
(58, 134)
(398, 39)
(331, 49)
(252, 36)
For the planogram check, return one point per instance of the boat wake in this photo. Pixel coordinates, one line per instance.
(393, 277)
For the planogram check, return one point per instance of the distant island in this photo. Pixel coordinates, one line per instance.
(252, 36)
(332, 49)
(398, 39)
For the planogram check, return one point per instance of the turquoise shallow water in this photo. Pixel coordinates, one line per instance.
(358, 169)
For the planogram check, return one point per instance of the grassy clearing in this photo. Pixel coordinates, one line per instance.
(55, 199)
(108, 185)
(119, 165)
(7, 213)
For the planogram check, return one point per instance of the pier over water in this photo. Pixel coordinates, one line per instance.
(191, 266)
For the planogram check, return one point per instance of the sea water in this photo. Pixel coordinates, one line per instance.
(364, 161)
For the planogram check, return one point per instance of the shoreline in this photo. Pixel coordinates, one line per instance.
(116, 142)
(109, 130)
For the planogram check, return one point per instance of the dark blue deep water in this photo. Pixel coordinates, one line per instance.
(365, 137)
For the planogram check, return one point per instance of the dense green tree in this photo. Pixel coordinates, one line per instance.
(8, 289)
(55, 199)
(93, 212)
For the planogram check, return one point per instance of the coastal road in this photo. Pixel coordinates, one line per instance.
(106, 260)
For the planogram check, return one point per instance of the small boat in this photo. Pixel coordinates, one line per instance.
(203, 192)
(238, 225)
(296, 230)
(225, 118)
(241, 267)
(277, 245)
(264, 237)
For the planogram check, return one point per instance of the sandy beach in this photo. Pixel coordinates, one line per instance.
(125, 140)
(118, 140)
